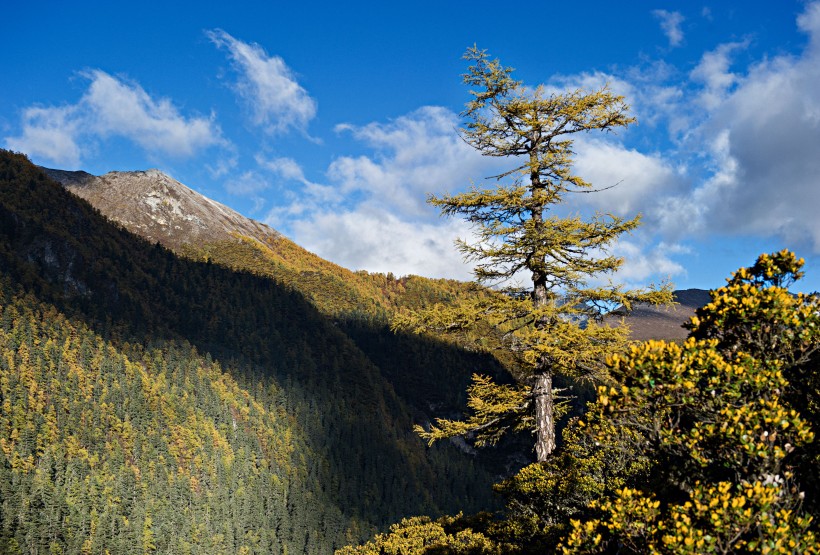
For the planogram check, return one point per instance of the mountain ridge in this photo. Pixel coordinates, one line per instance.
(160, 208)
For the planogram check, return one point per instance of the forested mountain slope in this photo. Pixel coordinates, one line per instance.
(163, 210)
(144, 393)
(155, 206)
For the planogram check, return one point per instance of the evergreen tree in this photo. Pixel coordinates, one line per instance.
(551, 328)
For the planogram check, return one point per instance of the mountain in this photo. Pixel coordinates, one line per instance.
(155, 402)
(157, 207)
(160, 208)
(662, 322)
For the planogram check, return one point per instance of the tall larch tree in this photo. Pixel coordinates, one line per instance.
(553, 327)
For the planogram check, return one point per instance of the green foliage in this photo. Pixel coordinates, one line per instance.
(160, 449)
(362, 305)
(494, 408)
(553, 328)
(542, 498)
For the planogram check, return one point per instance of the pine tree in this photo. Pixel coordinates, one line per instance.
(553, 327)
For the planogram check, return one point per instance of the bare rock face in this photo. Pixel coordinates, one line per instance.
(160, 208)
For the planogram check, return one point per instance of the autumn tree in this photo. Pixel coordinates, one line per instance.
(553, 326)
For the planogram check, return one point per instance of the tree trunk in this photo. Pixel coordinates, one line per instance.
(542, 386)
(544, 418)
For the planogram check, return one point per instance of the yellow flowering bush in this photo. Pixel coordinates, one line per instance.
(720, 420)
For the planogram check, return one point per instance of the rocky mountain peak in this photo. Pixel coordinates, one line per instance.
(160, 208)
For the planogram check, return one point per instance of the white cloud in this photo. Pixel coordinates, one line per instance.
(713, 72)
(118, 108)
(415, 155)
(371, 239)
(286, 168)
(49, 133)
(389, 227)
(644, 262)
(312, 198)
(249, 184)
(372, 212)
(632, 182)
(809, 23)
(651, 98)
(112, 108)
(372, 215)
(670, 24)
(268, 86)
(692, 213)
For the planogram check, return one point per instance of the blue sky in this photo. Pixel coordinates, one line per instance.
(332, 121)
